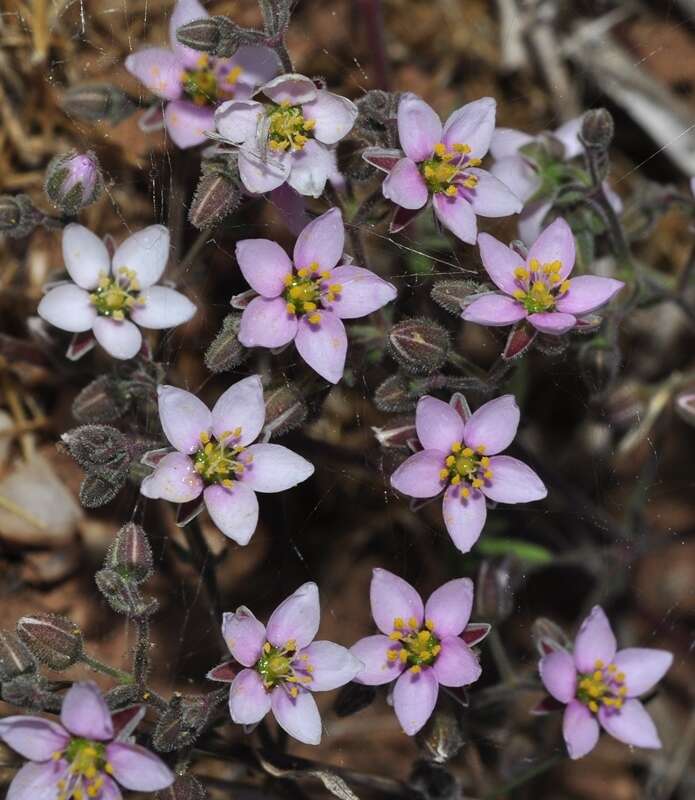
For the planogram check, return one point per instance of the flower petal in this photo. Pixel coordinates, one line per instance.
(262, 175)
(146, 252)
(513, 482)
(378, 669)
(258, 65)
(644, 667)
(162, 308)
(173, 479)
(438, 424)
(297, 618)
(321, 242)
(234, 511)
(531, 221)
(237, 120)
(120, 338)
(518, 175)
(556, 243)
(587, 293)
(405, 186)
(418, 476)
(414, 698)
(311, 167)
(464, 517)
(333, 665)
(568, 134)
(595, 641)
(275, 468)
(323, 345)
(491, 197)
(249, 701)
(500, 262)
(241, 406)
(184, 417)
(631, 725)
(185, 11)
(362, 292)
(138, 769)
(559, 675)
(334, 116)
(457, 215)
(267, 323)
(298, 716)
(33, 737)
(110, 790)
(34, 781)
(158, 69)
(85, 256)
(493, 426)
(456, 664)
(69, 308)
(393, 598)
(264, 264)
(449, 607)
(419, 127)
(84, 712)
(244, 635)
(187, 123)
(494, 310)
(507, 142)
(472, 124)
(290, 88)
(552, 322)
(579, 729)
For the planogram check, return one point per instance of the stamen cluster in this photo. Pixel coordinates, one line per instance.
(418, 646)
(283, 666)
(445, 171)
(605, 686)
(114, 297)
(463, 464)
(217, 460)
(204, 87)
(288, 128)
(540, 285)
(306, 287)
(88, 764)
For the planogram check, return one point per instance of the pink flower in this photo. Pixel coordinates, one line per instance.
(289, 139)
(443, 164)
(460, 458)
(113, 296)
(284, 665)
(307, 300)
(419, 647)
(193, 83)
(82, 756)
(214, 456)
(538, 289)
(599, 687)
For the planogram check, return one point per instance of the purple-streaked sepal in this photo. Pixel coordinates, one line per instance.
(588, 323)
(188, 511)
(458, 695)
(224, 672)
(416, 504)
(402, 218)
(152, 120)
(126, 720)
(152, 457)
(475, 632)
(397, 434)
(241, 300)
(382, 158)
(80, 345)
(519, 341)
(548, 705)
(459, 403)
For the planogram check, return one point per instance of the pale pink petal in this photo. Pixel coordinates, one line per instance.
(331, 665)
(644, 667)
(262, 175)
(518, 175)
(264, 264)
(556, 243)
(33, 737)
(258, 65)
(120, 338)
(559, 675)
(392, 598)
(414, 698)
(456, 664)
(472, 124)
(507, 142)
(173, 479)
(464, 517)
(237, 120)
(84, 712)
(68, 307)
(267, 323)
(184, 417)
(185, 11)
(491, 197)
(493, 426)
(579, 729)
(419, 128)
(110, 790)
(138, 769)
(587, 293)
(418, 476)
(531, 221)
(405, 186)
(85, 255)
(274, 468)
(290, 88)
(146, 252)
(244, 635)
(361, 293)
(595, 641)
(438, 424)
(157, 69)
(249, 701)
(311, 167)
(513, 482)
(500, 262)
(34, 781)
(334, 116)
(241, 406)
(568, 134)
(296, 619)
(321, 242)
(449, 607)
(553, 323)
(161, 308)
(378, 669)
(456, 214)
(298, 716)
(187, 123)
(631, 725)
(292, 208)
(323, 345)
(494, 310)
(234, 511)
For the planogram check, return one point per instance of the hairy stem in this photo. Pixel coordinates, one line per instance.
(98, 666)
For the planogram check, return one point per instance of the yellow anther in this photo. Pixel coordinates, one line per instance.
(465, 492)
(484, 461)
(209, 448)
(622, 691)
(314, 319)
(415, 669)
(620, 677)
(394, 636)
(303, 272)
(436, 650)
(267, 647)
(535, 265)
(519, 294)
(336, 288)
(611, 668)
(456, 447)
(593, 706)
(564, 287)
(471, 182)
(310, 306)
(294, 691)
(309, 124)
(228, 483)
(456, 480)
(233, 75)
(521, 273)
(291, 308)
(325, 275)
(481, 449)
(487, 474)
(476, 483)
(403, 656)
(440, 149)
(450, 461)
(429, 624)
(462, 148)
(443, 474)
(555, 266)
(474, 162)
(467, 452)
(398, 622)
(424, 636)
(452, 191)
(412, 622)
(392, 655)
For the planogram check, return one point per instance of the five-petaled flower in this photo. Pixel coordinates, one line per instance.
(83, 757)
(600, 687)
(113, 296)
(284, 665)
(289, 139)
(460, 457)
(420, 646)
(538, 288)
(193, 83)
(214, 456)
(443, 163)
(307, 301)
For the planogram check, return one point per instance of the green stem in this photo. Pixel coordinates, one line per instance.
(98, 666)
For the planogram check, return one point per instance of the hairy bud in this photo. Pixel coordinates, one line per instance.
(186, 787)
(218, 36)
(394, 394)
(73, 181)
(184, 720)
(15, 657)
(226, 351)
(54, 640)
(102, 484)
(284, 410)
(31, 692)
(215, 196)
(18, 215)
(123, 595)
(420, 346)
(93, 445)
(452, 294)
(597, 129)
(98, 102)
(441, 738)
(130, 554)
(102, 400)
(548, 636)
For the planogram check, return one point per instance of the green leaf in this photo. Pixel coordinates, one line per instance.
(525, 551)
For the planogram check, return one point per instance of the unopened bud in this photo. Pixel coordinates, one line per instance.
(103, 400)
(73, 181)
(549, 637)
(15, 657)
(217, 35)
(441, 738)
(420, 345)
(18, 215)
(182, 722)
(123, 595)
(215, 197)
(98, 102)
(130, 554)
(395, 394)
(185, 787)
(92, 445)
(284, 410)
(452, 294)
(226, 351)
(598, 128)
(494, 597)
(55, 641)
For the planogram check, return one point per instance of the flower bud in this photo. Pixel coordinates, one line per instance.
(185, 787)
(123, 596)
(226, 351)
(73, 181)
(31, 692)
(284, 410)
(217, 35)
(549, 637)
(55, 641)
(130, 554)
(398, 393)
(102, 400)
(597, 129)
(420, 346)
(98, 102)
(92, 445)
(15, 657)
(494, 597)
(183, 721)
(452, 294)
(215, 197)
(441, 738)
(18, 216)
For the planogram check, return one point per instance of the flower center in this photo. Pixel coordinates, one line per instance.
(540, 286)
(114, 297)
(88, 763)
(605, 686)
(202, 86)
(467, 465)
(446, 170)
(217, 461)
(306, 288)
(288, 128)
(413, 646)
(283, 666)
